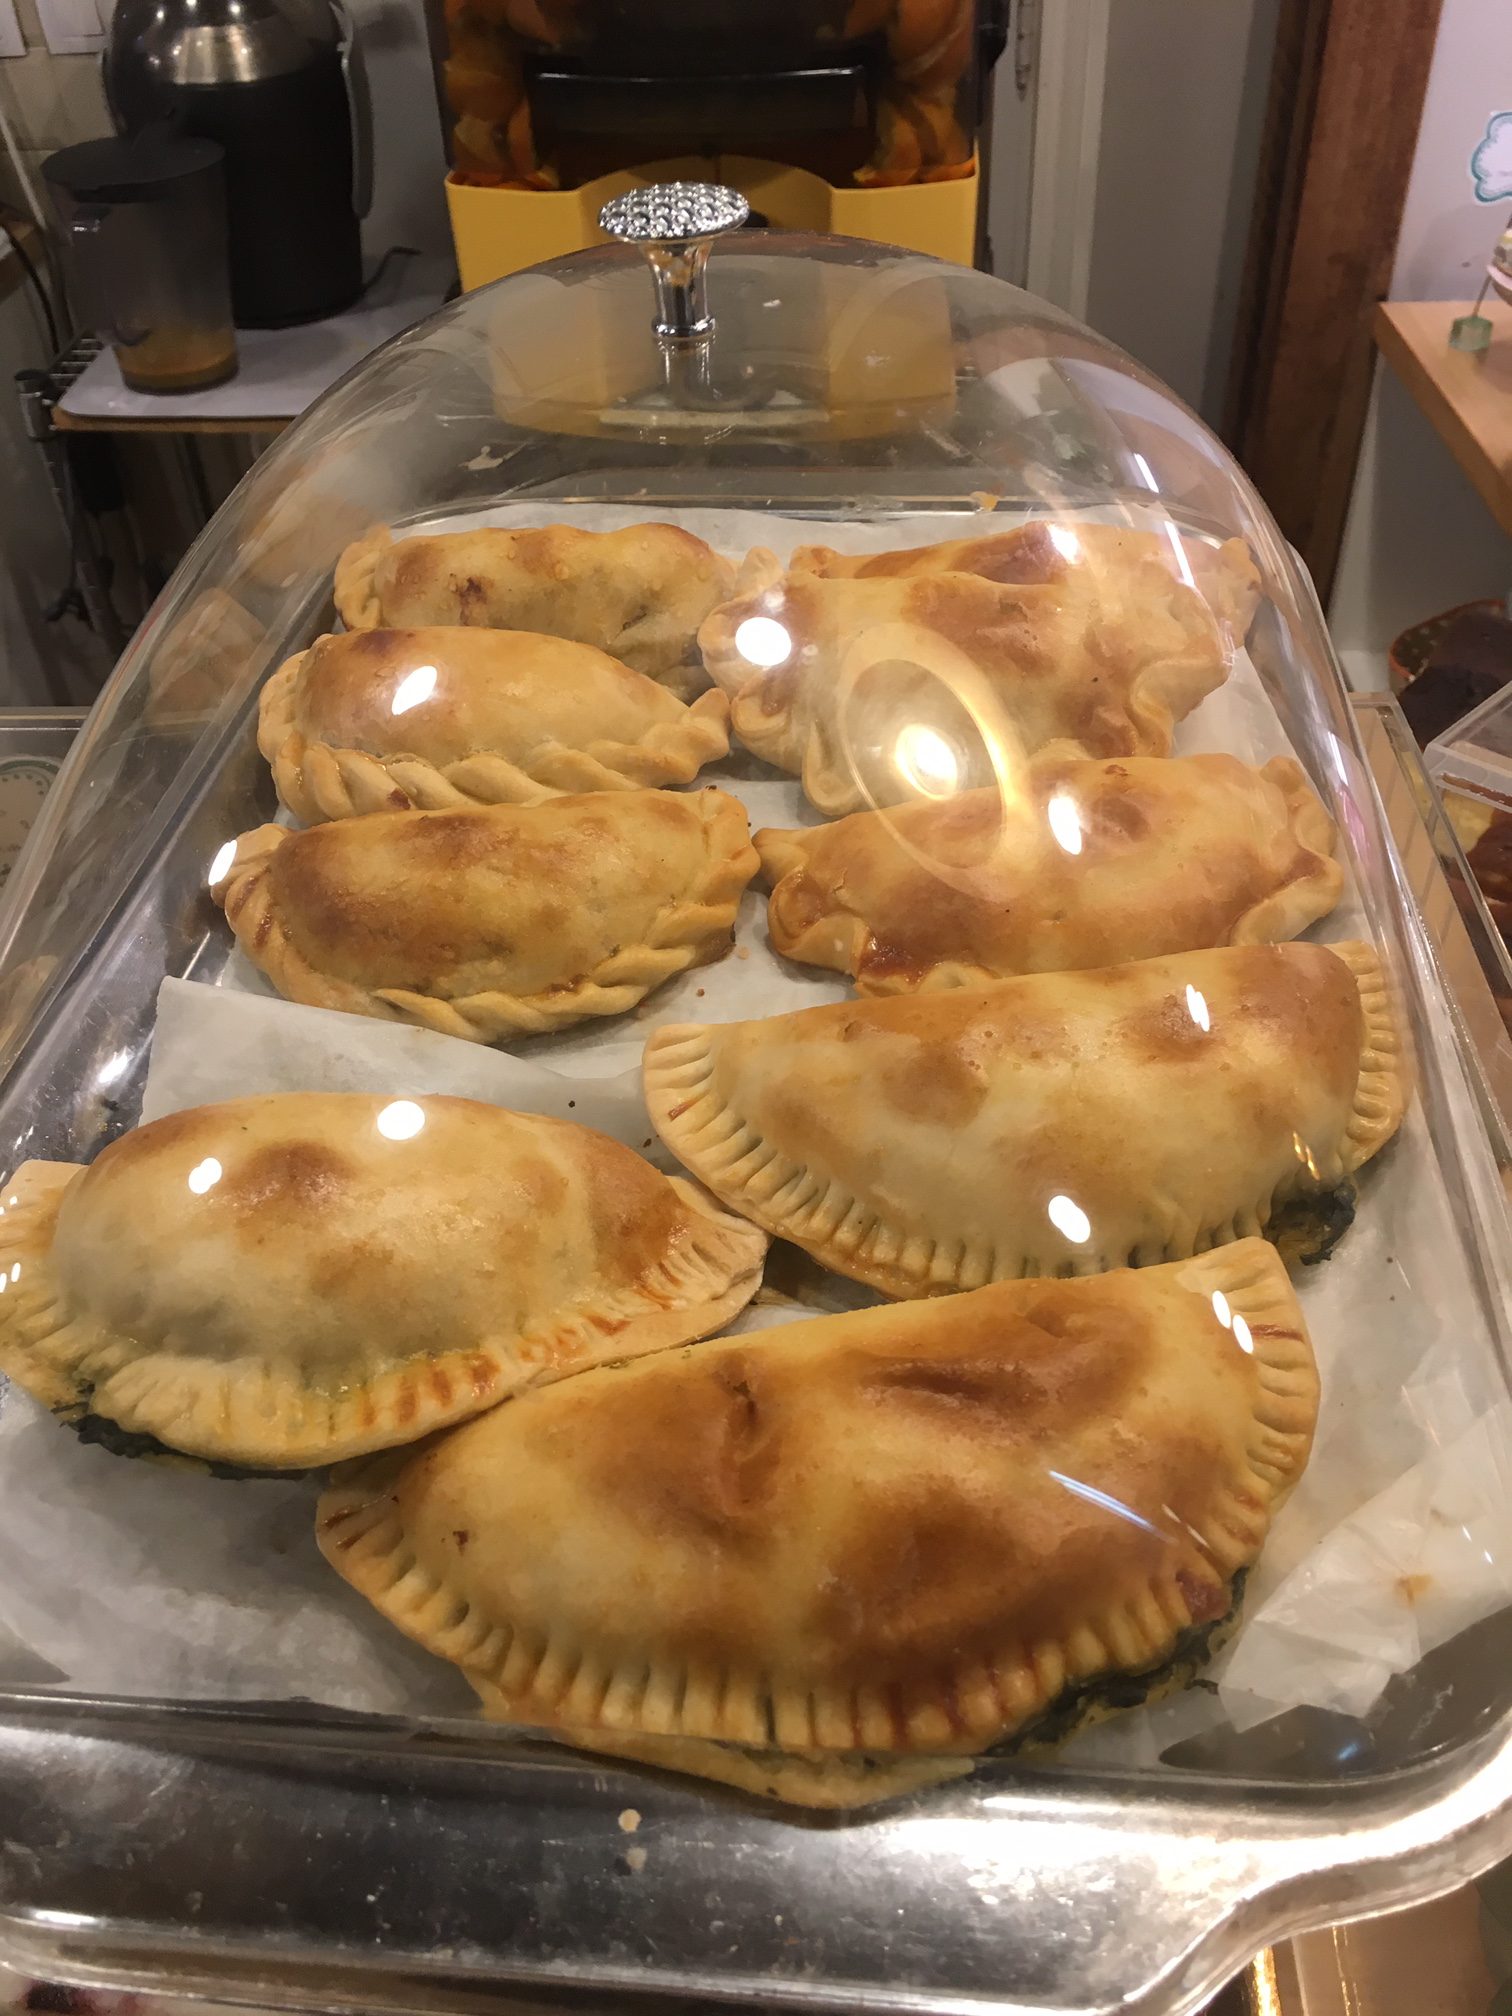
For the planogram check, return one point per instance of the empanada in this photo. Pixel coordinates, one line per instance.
(282, 1281)
(862, 1549)
(878, 689)
(1118, 557)
(503, 920)
(1090, 863)
(1056, 1124)
(388, 720)
(640, 593)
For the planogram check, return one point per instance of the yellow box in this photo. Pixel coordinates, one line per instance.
(501, 231)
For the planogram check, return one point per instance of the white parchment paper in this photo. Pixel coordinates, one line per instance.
(131, 1579)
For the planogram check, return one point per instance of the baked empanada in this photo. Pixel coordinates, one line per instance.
(863, 1549)
(877, 689)
(503, 920)
(1118, 557)
(388, 720)
(1088, 864)
(1057, 1124)
(279, 1282)
(640, 593)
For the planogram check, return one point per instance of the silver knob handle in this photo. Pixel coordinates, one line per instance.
(674, 224)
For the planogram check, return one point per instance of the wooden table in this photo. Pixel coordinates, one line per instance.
(1467, 397)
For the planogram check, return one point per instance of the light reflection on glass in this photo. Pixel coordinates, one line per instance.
(1243, 1336)
(401, 1120)
(1221, 1308)
(4, 1283)
(1304, 1155)
(220, 867)
(204, 1175)
(1109, 1504)
(1183, 565)
(1065, 822)
(1065, 542)
(927, 761)
(112, 1068)
(1069, 1219)
(1197, 1008)
(763, 641)
(413, 688)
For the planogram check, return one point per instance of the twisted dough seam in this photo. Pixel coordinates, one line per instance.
(614, 986)
(318, 780)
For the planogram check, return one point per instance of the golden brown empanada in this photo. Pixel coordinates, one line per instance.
(500, 921)
(1090, 863)
(640, 593)
(1055, 1124)
(860, 1549)
(877, 689)
(1120, 558)
(388, 720)
(282, 1281)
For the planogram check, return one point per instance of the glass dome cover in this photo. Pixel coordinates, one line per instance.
(901, 478)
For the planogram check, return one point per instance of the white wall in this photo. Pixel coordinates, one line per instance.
(1183, 107)
(1418, 538)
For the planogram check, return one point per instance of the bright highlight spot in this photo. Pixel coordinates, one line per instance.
(1108, 1503)
(205, 1174)
(413, 688)
(763, 641)
(1065, 542)
(1243, 1335)
(1197, 1008)
(15, 1273)
(220, 867)
(927, 761)
(1070, 1220)
(401, 1120)
(1178, 553)
(1065, 822)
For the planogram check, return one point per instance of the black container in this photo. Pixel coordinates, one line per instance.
(279, 85)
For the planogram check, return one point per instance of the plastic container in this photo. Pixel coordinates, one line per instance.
(265, 1847)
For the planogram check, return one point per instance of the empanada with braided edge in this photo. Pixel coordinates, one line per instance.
(640, 592)
(495, 922)
(1087, 864)
(432, 719)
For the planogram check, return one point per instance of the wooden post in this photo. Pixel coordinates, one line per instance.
(1347, 90)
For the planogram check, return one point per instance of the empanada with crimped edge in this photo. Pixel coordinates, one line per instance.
(1048, 1125)
(862, 1549)
(1085, 863)
(877, 689)
(1119, 557)
(498, 921)
(639, 593)
(434, 719)
(279, 1282)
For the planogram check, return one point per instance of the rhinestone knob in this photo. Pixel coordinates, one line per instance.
(674, 224)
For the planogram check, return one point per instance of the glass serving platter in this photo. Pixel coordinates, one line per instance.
(326, 1858)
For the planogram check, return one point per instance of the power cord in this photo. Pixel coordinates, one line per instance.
(34, 281)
